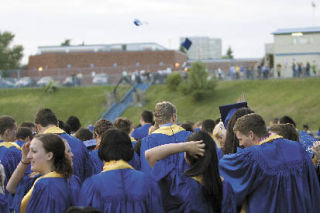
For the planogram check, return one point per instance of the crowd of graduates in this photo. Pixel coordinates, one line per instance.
(232, 164)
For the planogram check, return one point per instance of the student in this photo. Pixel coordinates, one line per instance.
(165, 114)
(119, 188)
(10, 153)
(50, 192)
(74, 123)
(22, 179)
(201, 189)
(46, 122)
(146, 121)
(84, 134)
(24, 135)
(271, 174)
(287, 131)
(4, 206)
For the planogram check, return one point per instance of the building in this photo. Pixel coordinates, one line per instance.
(88, 60)
(297, 45)
(204, 48)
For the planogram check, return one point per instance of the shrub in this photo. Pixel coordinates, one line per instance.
(198, 85)
(173, 81)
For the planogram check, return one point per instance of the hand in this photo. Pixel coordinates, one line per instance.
(25, 151)
(316, 150)
(195, 148)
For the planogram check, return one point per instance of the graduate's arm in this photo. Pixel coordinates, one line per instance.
(18, 173)
(160, 152)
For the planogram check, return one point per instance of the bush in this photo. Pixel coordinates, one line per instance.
(198, 85)
(51, 87)
(173, 81)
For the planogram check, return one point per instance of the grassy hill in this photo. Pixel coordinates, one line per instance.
(86, 102)
(298, 98)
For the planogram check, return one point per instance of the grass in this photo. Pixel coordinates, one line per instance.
(87, 103)
(298, 98)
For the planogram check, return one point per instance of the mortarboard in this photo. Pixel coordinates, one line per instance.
(186, 43)
(227, 111)
(137, 22)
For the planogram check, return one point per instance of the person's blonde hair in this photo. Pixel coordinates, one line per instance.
(163, 112)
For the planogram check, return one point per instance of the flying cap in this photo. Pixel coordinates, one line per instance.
(227, 111)
(186, 43)
(137, 22)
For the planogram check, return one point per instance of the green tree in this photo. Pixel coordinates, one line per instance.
(66, 42)
(173, 81)
(229, 54)
(198, 85)
(10, 57)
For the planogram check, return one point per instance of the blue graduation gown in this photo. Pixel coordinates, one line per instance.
(98, 164)
(307, 141)
(4, 206)
(10, 157)
(74, 184)
(141, 132)
(276, 176)
(50, 195)
(121, 190)
(20, 143)
(161, 137)
(183, 194)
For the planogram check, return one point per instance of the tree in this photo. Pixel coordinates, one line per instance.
(228, 54)
(9, 56)
(66, 42)
(198, 85)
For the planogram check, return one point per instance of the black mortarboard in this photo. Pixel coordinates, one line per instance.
(186, 43)
(227, 111)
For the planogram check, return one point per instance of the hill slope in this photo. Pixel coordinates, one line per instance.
(298, 98)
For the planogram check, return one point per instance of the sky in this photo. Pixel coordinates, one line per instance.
(244, 25)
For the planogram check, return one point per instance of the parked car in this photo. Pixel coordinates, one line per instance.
(68, 82)
(44, 81)
(6, 84)
(100, 79)
(25, 82)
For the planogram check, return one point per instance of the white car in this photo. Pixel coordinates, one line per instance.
(100, 79)
(25, 82)
(44, 81)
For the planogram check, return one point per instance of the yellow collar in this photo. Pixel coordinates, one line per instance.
(26, 198)
(169, 130)
(199, 179)
(269, 139)
(114, 165)
(54, 130)
(10, 144)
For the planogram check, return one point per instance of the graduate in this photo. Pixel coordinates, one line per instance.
(119, 188)
(271, 174)
(22, 179)
(10, 152)
(46, 122)
(200, 187)
(146, 120)
(50, 192)
(4, 205)
(165, 114)
(24, 135)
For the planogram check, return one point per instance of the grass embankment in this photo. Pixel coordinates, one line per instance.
(88, 103)
(298, 98)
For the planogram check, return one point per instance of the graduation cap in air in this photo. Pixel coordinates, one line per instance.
(186, 43)
(137, 22)
(227, 111)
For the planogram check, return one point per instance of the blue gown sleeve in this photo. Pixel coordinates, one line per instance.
(228, 201)
(243, 172)
(155, 201)
(96, 162)
(45, 199)
(75, 184)
(163, 167)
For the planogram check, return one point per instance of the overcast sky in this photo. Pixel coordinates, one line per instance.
(245, 25)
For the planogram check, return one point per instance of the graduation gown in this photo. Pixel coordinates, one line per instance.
(275, 176)
(27, 182)
(141, 132)
(164, 135)
(307, 141)
(82, 164)
(4, 206)
(184, 194)
(49, 193)
(120, 188)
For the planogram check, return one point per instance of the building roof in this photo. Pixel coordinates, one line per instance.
(297, 30)
(101, 48)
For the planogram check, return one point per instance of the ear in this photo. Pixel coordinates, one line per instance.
(49, 156)
(251, 135)
(6, 132)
